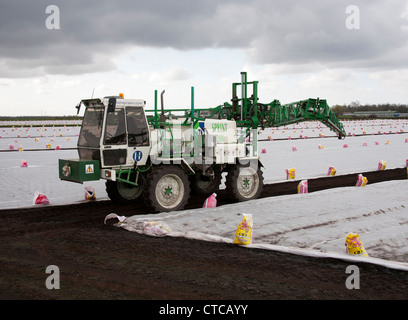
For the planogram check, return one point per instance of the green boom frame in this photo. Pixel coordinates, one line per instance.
(249, 113)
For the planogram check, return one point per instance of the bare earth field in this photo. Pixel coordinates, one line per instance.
(98, 261)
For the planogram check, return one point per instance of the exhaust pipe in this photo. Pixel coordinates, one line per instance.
(162, 116)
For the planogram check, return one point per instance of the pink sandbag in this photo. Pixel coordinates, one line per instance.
(24, 164)
(303, 187)
(40, 198)
(90, 194)
(361, 181)
(381, 165)
(210, 202)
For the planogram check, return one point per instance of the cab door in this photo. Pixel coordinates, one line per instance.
(138, 135)
(114, 150)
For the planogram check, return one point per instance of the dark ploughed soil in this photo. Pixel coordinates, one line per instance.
(98, 261)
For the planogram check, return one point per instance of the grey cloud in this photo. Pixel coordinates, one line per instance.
(319, 34)
(271, 32)
(92, 33)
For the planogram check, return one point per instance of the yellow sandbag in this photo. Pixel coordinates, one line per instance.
(331, 171)
(354, 245)
(290, 174)
(361, 181)
(243, 235)
(381, 165)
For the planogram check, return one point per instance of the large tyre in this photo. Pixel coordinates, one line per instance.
(167, 189)
(244, 182)
(205, 185)
(121, 192)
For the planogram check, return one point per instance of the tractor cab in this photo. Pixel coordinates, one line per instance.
(114, 131)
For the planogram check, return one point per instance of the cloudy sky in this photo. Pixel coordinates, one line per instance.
(343, 51)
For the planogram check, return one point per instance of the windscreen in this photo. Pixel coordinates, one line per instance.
(91, 130)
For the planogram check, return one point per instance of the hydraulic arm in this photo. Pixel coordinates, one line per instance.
(249, 113)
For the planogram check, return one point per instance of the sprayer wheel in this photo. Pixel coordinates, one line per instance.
(244, 182)
(167, 189)
(121, 192)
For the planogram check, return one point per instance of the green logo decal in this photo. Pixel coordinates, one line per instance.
(219, 127)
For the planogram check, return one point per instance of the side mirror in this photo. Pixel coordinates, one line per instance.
(78, 106)
(111, 104)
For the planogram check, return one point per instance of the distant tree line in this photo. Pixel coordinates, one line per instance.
(355, 106)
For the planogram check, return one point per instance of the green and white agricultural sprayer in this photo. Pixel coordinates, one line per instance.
(163, 155)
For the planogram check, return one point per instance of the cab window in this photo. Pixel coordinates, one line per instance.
(138, 131)
(115, 131)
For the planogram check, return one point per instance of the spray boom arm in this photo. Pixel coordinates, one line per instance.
(249, 113)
